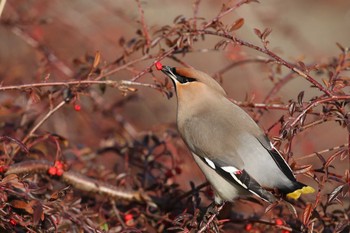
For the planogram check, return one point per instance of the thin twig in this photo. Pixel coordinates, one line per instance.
(149, 68)
(321, 152)
(49, 55)
(195, 12)
(225, 12)
(72, 83)
(143, 23)
(241, 62)
(315, 103)
(78, 181)
(50, 113)
(211, 219)
(270, 54)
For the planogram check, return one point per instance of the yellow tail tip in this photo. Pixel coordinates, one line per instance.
(297, 193)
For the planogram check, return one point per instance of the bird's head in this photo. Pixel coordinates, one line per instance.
(190, 82)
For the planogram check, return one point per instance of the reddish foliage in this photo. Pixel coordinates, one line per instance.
(120, 174)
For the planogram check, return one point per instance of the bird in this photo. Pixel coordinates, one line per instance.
(233, 152)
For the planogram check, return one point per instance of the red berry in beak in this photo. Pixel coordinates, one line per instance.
(158, 65)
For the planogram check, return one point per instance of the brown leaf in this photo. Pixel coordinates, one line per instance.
(266, 33)
(34, 96)
(300, 98)
(326, 82)
(257, 32)
(331, 159)
(321, 158)
(237, 24)
(334, 194)
(291, 108)
(19, 204)
(302, 169)
(302, 119)
(38, 212)
(12, 179)
(340, 47)
(302, 65)
(292, 209)
(96, 59)
(307, 213)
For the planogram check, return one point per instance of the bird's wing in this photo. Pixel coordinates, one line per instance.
(217, 148)
(239, 177)
(277, 157)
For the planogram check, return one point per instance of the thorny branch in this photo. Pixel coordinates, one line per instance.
(147, 155)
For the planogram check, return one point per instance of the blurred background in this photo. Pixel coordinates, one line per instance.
(57, 38)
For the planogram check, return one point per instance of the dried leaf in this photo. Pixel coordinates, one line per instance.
(178, 18)
(38, 212)
(257, 32)
(340, 47)
(96, 59)
(34, 96)
(291, 108)
(321, 158)
(237, 24)
(302, 169)
(302, 66)
(300, 98)
(334, 194)
(343, 155)
(266, 33)
(302, 119)
(12, 179)
(19, 204)
(331, 159)
(292, 209)
(220, 44)
(307, 213)
(325, 82)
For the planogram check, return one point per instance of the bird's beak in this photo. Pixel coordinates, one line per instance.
(169, 71)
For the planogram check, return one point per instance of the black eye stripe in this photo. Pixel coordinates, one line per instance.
(183, 79)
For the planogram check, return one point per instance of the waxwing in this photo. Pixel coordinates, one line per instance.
(232, 151)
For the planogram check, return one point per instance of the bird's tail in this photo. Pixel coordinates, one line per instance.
(300, 188)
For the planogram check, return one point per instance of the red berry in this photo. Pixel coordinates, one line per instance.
(13, 222)
(248, 227)
(52, 171)
(58, 164)
(77, 107)
(279, 222)
(3, 169)
(128, 217)
(158, 65)
(59, 172)
(285, 231)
